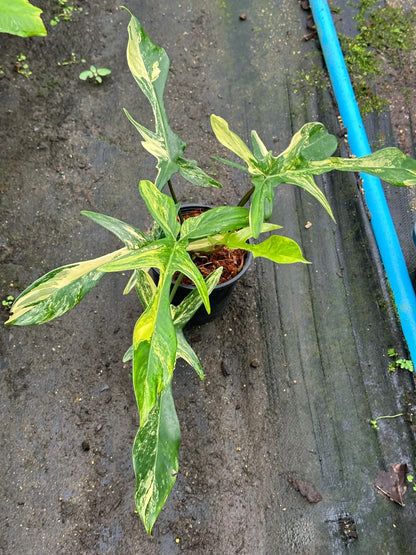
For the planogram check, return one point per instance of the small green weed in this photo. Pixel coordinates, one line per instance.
(374, 424)
(22, 66)
(95, 73)
(73, 60)
(7, 302)
(399, 363)
(411, 480)
(65, 14)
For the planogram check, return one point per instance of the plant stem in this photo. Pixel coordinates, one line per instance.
(175, 200)
(175, 287)
(246, 197)
(390, 416)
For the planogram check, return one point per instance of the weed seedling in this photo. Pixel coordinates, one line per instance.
(73, 60)
(402, 363)
(94, 73)
(65, 14)
(374, 424)
(411, 480)
(7, 302)
(22, 66)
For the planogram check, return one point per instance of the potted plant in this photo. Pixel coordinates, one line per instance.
(170, 246)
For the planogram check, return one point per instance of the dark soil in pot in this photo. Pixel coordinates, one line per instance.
(235, 264)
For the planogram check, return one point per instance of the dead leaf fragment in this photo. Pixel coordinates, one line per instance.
(306, 489)
(392, 484)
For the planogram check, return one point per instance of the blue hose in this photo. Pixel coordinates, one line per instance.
(381, 220)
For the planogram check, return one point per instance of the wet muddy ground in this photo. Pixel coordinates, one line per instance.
(295, 368)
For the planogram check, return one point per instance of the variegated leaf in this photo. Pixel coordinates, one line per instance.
(129, 235)
(155, 458)
(58, 291)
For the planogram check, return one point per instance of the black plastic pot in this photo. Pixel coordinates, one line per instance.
(220, 295)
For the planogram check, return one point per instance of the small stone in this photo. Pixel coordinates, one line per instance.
(243, 17)
(255, 363)
(225, 369)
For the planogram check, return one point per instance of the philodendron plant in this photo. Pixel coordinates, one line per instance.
(158, 339)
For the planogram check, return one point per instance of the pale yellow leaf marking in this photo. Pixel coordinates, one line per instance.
(64, 278)
(155, 71)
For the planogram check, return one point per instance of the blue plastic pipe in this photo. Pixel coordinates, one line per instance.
(381, 220)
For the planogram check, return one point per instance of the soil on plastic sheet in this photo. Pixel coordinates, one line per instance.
(68, 412)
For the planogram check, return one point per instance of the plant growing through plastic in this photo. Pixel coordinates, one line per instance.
(158, 339)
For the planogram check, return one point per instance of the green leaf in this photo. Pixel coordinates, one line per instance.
(191, 303)
(232, 164)
(20, 17)
(166, 255)
(259, 148)
(215, 220)
(161, 207)
(307, 182)
(145, 287)
(154, 338)
(155, 144)
(149, 65)
(155, 458)
(58, 291)
(84, 75)
(181, 314)
(103, 71)
(281, 250)
(262, 194)
(154, 350)
(311, 142)
(128, 355)
(389, 164)
(186, 352)
(155, 255)
(131, 283)
(192, 173)
(230, 140)
(133, 238)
